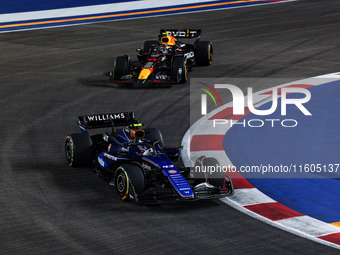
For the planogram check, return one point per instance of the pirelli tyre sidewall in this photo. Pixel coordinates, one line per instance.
(129, 182)
(180, 69)
(122, 183)
(203, 53)
(78, 149)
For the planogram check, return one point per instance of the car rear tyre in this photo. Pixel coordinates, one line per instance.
(78, 149)
(154, 134)
(203, 53)
(180, 69)
(129, 182)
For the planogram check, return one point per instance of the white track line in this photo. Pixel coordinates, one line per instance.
(93, 9)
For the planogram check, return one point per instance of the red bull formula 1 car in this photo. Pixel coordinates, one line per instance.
(138, 165)
(164, 61)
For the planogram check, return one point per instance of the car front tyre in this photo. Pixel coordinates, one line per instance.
(180, 69)
(129, 182)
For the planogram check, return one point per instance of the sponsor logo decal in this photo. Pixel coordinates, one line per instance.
(104, 117)
(110, 157)
(101, 161)
(161, 77)
(168, 166)
(186, 33)
(189, 54)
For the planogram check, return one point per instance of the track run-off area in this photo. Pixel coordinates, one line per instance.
(310, 208)
(50, 76)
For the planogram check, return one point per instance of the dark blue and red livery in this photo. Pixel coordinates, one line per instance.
(136, 163)
(166, 61)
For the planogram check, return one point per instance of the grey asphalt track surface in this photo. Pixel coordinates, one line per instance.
(49, 77)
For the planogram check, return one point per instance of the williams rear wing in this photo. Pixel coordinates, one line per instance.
(106, 120)
(181, 33)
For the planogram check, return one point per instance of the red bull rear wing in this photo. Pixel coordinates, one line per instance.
(181, 33)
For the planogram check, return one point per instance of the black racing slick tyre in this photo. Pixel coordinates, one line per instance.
(78, 149)
(203, 53)
(147, 45)
(217, 176)
(154, 134)
(213, 177)
(129, 182)
(180, 69)
(120, 67)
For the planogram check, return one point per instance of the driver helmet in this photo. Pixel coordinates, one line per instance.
(169, 40)
(163, 49)
(153, 50)
(142, 148)
(145, 150)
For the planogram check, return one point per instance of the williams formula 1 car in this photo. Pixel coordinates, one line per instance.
(137, 164)
(164, 61)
